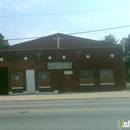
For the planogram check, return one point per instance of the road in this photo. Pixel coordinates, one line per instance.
(99, 114)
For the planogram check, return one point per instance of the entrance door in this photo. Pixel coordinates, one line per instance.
(3, 80)
(30, 81)
(68, 82)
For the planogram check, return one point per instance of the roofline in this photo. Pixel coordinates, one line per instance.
(63, 48)
(59, 34)
(38, 38)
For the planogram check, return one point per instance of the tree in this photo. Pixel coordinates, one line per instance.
(3, 43)
(126, 44)
(126, 54)
(110, 39)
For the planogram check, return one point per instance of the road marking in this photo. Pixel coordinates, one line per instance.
(53, 110)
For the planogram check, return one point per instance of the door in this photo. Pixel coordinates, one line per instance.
(3, 80)
(68, 82)
(30, 81)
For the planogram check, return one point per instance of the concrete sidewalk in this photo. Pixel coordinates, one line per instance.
(65, 96)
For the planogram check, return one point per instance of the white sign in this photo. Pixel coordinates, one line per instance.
(59, 65)
(68, 72)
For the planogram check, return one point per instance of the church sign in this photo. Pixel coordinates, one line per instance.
(59, 65)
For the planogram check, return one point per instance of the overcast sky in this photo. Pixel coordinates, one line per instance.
(90, 15)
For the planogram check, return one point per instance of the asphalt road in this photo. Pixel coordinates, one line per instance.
(100, 114)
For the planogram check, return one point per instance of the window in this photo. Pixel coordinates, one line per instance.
(86, 77)
(106, 77)
(44, 76)
(44, 80)
(17, 77)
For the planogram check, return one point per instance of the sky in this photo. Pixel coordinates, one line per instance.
(63, 16)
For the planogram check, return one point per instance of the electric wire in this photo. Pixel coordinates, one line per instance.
(91, 31)
(66, 12)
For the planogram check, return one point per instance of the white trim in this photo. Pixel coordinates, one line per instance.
(52, 92)
(10, 92)
(36, 91)
(55, 91)
(107, 83)
(63, 57)
(17, 87)
(68, 72)
(86, 84)
(44, 87)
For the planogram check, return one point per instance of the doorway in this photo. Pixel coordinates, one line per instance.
(68, 81)
(30, 81)
(3, 80)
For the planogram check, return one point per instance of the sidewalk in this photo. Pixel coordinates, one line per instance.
(65, 96)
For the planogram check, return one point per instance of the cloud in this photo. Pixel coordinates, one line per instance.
(35, 1)
(93, 36)
(81, 35)
(79, 20)
(19, 5)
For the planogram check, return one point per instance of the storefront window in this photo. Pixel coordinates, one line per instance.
(17, 77)
(106, 77)
(86, 77)
(106, 74)
(44, 76)
(44, 80)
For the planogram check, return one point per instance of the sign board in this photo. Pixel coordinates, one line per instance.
(68, 72)
(59, 65)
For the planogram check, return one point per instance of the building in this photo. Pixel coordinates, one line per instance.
(61, 63)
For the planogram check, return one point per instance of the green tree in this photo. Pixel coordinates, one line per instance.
(110, 39)
(3, 43)
(126, 45)
(126, 54)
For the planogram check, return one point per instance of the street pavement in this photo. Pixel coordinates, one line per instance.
(92, 114)
(64, 96)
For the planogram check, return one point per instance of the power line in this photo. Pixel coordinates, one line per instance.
(57, 13)
(22, 38)
(101, 29)
(75, 32)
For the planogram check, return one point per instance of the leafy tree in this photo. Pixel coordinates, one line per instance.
(126, 52)
(110, 39)
(3, 43)
(126, 43)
